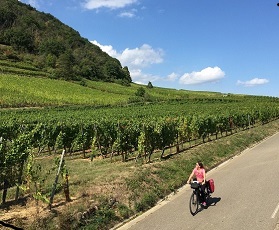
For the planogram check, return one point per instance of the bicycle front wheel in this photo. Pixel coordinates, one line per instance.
(194, 204)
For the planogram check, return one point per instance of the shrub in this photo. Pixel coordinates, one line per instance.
(148, 200)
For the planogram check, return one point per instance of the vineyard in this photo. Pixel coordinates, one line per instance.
(130, 132)
(18, 91)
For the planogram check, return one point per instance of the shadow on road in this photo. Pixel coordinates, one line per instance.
(212, 201)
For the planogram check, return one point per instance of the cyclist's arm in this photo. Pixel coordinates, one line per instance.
(204, 179)
(190, 177)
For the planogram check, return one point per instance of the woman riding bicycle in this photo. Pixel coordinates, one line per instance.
(199, 173)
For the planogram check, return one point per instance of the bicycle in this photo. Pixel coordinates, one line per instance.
(195, 199)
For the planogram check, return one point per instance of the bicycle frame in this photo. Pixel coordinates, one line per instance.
(195, 199)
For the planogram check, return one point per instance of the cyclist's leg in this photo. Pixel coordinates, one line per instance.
(207, 187)
(203, 187)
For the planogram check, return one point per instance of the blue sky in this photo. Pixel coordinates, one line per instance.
(202, 45)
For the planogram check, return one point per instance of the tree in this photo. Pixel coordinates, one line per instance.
(65, 65)
(127, 75)
(50, 60)
(140, 92)
(53, 47)
(20, 39)
(7, 18)
(114, 71)
(149, 85)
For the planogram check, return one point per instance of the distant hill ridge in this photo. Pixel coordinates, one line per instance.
(40, 40)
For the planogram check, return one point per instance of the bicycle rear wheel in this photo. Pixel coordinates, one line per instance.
(194, 204)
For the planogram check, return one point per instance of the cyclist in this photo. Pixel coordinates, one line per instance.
(199, 173)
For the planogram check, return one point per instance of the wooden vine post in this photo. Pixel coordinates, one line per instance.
(56, 179)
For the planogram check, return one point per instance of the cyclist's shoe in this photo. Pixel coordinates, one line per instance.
(204, 204)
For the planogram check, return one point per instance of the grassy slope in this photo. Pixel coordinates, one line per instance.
(26, 91)
(18, 91)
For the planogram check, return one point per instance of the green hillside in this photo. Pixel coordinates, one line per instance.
(23, 84)
(21, 90)
(40, 42)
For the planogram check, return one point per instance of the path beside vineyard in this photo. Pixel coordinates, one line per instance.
(246, 197)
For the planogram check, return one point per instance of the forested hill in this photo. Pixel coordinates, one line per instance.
(42, 41)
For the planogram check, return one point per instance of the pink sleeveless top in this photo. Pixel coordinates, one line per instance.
(199, 174)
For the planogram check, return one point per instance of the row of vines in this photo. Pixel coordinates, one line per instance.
(128, 136)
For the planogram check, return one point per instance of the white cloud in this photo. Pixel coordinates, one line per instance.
(106, 48)
(141, 57)
(136, 59)
(208, 74)
(128, 14)
(111, 4)
(142, 78)
(253, 82)
(172, 77)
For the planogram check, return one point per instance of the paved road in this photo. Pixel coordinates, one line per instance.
(246, 197)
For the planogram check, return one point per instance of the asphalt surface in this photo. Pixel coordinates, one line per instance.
(246, 197)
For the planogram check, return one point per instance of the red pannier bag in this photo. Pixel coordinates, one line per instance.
(211, 185)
